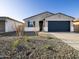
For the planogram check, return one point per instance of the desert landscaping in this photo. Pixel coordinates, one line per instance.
(35, 47)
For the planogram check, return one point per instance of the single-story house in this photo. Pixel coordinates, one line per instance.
(8, 24)
(49, 22)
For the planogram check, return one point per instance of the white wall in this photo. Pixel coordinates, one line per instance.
(46, 26)
(10, 25)
(31, 29)
(72, 27)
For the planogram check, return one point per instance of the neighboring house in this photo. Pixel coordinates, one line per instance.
(49, 22)
(76, 25)
(8, 24)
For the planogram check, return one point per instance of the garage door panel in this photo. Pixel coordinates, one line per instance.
(2, 26)
(58, 26)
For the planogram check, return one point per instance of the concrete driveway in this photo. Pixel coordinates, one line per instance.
(71, 38)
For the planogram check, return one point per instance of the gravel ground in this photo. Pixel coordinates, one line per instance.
(36, 48)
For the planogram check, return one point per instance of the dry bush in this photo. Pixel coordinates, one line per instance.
(19, 29)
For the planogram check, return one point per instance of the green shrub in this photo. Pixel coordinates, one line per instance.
(26, 39)
(15, 43)
(47, 47)
(50, 37)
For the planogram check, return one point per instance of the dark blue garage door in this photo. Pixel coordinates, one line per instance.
(58, 26)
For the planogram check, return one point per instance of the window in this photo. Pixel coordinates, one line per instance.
(31, 23)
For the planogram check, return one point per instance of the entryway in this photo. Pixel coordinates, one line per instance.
(40, 25)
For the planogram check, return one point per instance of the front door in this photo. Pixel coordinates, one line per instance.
(40, 25)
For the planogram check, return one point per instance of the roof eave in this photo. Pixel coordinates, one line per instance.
(39, 14)
(66, 15)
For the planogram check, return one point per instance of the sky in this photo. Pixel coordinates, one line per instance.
(20, 9)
